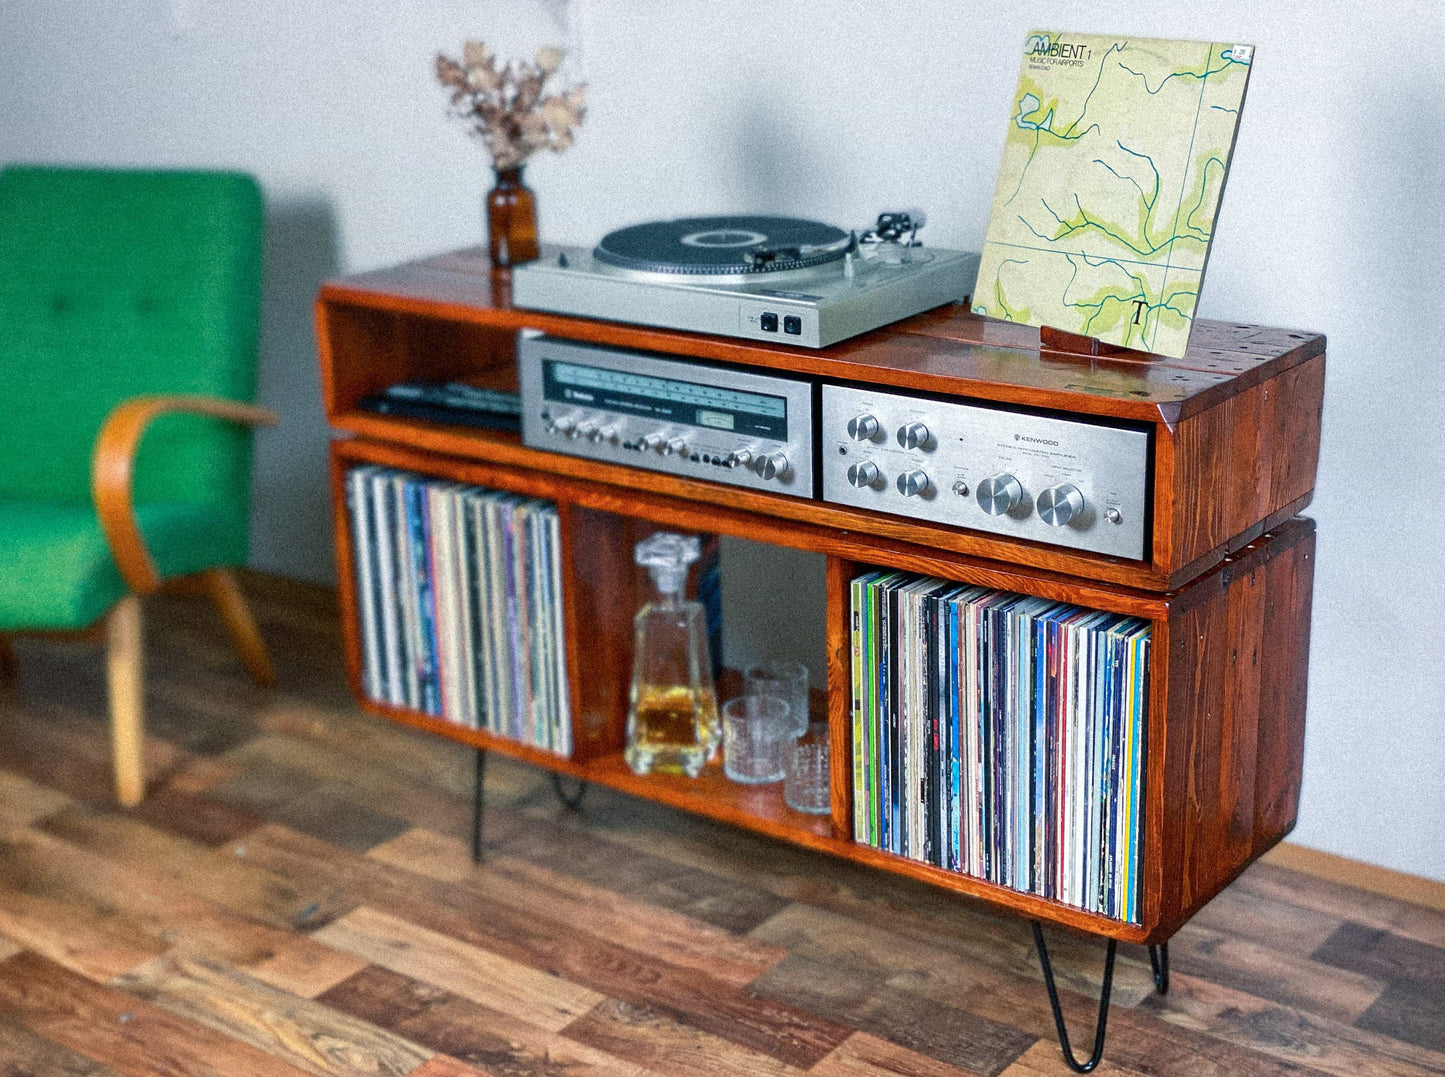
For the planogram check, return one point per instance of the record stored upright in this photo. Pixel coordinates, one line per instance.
(1226, 586)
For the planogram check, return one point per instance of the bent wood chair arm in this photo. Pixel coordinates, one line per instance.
(112, 472)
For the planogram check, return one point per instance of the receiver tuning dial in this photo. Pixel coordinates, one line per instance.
(913, 435)
(773, 465)
(862, 427)
(1059, 504)
(998, 494)
(862, 475)
(913, 483)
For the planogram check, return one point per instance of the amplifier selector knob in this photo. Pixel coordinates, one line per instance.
(773, 465)
(673, 445)
(913, 435)
(1059, 504)
(998, 494)
(913, 483)
(862, 475)
(862, 427)
(740, 458)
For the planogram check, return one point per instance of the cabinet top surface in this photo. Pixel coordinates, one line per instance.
(948, 350)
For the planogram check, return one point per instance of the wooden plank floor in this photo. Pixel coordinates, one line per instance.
(296, 897)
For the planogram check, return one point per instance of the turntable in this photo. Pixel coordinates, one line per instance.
(764, 278)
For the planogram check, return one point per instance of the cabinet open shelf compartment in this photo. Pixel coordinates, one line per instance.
(1221, 772)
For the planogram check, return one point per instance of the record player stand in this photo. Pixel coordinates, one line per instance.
(1226, 583)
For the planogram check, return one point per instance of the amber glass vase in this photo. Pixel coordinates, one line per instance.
(511, 219)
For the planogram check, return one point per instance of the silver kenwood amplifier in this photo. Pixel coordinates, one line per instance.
(681, 417)
(1074, 482)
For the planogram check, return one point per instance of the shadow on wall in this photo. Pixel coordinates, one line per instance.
(291, 526)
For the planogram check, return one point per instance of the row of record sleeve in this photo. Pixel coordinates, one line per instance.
(459, 599)
(1000, 735)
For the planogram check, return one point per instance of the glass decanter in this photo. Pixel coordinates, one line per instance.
(672, 723)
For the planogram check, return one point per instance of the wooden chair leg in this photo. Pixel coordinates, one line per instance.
(226, 593)
(125, 668)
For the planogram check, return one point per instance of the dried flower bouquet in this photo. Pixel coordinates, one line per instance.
(506, 106)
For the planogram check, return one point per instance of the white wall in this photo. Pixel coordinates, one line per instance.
(1332, 222)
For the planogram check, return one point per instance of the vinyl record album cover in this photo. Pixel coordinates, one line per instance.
(1112, 171)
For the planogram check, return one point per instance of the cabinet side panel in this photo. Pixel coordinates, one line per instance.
(346, 572)
(1237, 665)
(1244, 460)
(1283, 679)
(840, 694)
(602, 586)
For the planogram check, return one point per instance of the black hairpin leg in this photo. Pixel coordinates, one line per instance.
(1159, 962)
(479, 786)
(1075, 1064)
(572, 800)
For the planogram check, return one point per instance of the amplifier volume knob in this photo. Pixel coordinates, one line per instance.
(913, 436)
(1059, 504)
(913, 483)
(771, 465)
(862, 427)
(740, 458)
(999, 494)
(673, 445)
(862, 475)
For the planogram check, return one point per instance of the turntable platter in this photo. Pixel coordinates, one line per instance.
(722, 246)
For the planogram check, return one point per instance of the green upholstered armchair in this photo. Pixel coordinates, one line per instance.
(128, 325)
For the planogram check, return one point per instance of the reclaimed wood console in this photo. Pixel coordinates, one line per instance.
(1226, 585)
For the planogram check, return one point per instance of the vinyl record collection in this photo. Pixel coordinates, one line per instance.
(1000, 735)
(460, 604)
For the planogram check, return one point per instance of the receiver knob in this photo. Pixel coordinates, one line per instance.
(999, 493)
(673, 445)
(1059, 504)
(771, 465)
(584, 429)
(650, 441)
(564, 424)
(913, 483)
(862, 475)
(913, 435)
(862, 427)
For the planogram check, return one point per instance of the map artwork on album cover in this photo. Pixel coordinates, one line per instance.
(1109, 186)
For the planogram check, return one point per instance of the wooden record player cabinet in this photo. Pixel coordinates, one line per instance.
(1227, 585)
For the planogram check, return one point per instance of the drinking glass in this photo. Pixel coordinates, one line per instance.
(756, 732)
(786, 679)
(806, 787)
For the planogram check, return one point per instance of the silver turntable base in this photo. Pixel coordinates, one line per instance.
(812, 305)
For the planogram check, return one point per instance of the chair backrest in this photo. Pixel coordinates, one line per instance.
(117, 283)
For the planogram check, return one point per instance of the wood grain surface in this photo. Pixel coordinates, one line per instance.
(231, 925)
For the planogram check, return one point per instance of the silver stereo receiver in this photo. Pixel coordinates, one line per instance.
(677, 416)
(1063, 481)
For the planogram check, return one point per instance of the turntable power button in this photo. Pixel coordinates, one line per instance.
(768, 322)
(793, 325)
